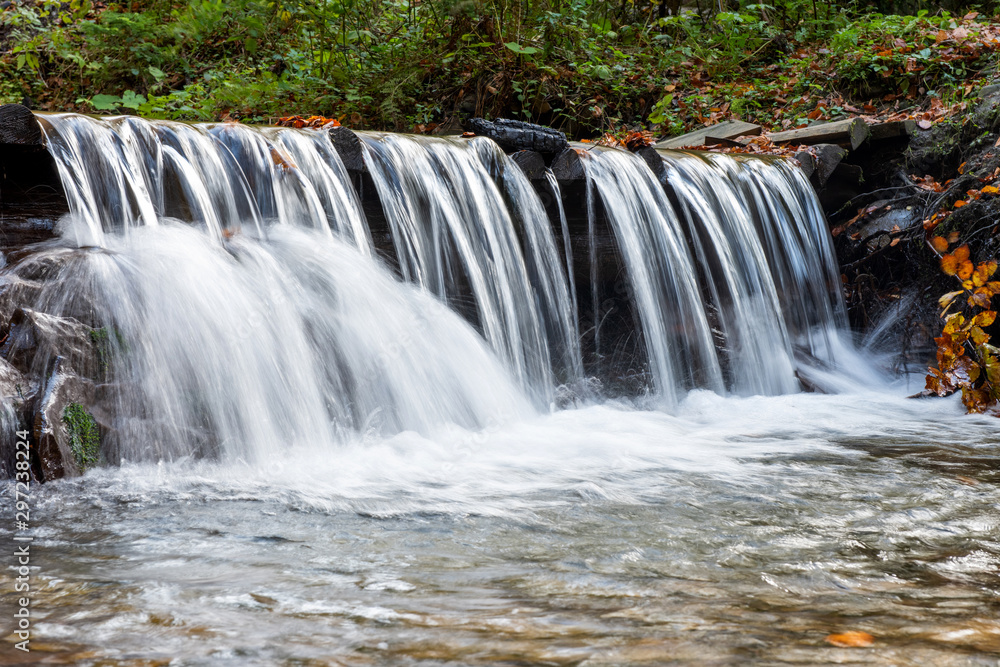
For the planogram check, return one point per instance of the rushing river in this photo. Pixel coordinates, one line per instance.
(327, 442)
(738, 530)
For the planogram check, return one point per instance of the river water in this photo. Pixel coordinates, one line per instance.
(312, 459)
(738, 530)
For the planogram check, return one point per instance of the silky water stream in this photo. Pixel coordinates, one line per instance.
(314, 459)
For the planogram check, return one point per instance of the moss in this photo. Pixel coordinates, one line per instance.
(84, 435)
(101, 338)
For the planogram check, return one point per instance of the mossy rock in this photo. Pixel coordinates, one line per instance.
(84, 435)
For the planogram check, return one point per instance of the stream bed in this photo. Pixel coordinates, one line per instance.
(727, 531)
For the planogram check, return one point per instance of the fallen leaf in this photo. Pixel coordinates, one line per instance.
(852, 639)
(940, 243)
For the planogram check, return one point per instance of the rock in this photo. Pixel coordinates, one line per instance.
(567, 166)
(36, 338)
(515, 135)
(18, 125)
(807, 161)
(66, 434)
(989, 91)
(531, 163)
(349, 148)
(827, 158)
(654, 161)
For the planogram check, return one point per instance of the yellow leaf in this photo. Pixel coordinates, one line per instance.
(946, 300)
(990, 190)
(979, 336)
(985, 318)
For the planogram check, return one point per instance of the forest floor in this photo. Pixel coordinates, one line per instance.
(427, 73)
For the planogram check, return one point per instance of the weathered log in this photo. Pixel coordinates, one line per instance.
(515, 135)
(349, 148)
(710, 135)
(898, 128)
(850, 132)
(18, 125)
(531, 163)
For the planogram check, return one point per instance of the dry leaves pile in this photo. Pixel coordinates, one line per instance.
(316, 122)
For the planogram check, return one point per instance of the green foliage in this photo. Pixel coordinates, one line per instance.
(587, 66)
(84, 435)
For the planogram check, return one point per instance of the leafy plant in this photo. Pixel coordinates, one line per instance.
(966, 361)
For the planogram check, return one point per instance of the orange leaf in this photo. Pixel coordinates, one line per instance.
(960, 203)
(965, 269)
(940, 243)
(980, 299)
(949, 264)
(852, 639)
(990, 190)
(953, 237)
(962, 253)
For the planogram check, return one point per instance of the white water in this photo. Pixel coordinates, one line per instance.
(321, 464)
(447, 204)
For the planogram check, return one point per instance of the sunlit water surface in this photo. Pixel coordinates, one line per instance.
(736, 530)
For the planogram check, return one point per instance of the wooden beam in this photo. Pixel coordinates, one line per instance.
(850, 132)
(727, 130)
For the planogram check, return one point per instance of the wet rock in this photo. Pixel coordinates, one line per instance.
(17, 398)
(349, 148)
(18, 125)
(531, 163)
(35, 338)
(567, 166)
(66, 434)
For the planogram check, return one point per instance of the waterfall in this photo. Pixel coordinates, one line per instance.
(465, 222)
(252, 304)
(729, 255)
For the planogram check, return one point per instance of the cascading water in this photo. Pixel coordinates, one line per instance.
(321, 464)
(258, 320)
(734, 249)
(464, 221)
(254, 326)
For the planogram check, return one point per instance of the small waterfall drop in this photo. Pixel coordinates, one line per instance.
(731, 268)
(466, 223)
(270, 316)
